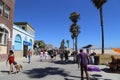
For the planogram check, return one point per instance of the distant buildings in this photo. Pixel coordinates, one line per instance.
(6, 24)
(23, 38)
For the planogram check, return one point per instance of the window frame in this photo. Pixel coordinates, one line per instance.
(18, 42)
(7, 12)
(4, 37)
(1, 8)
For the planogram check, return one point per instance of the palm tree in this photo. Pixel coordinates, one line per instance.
(98, 4)
(62, 44)
(74, 17)
(74, 29)
(41, 44)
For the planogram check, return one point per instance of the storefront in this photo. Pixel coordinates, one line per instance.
(22, 41)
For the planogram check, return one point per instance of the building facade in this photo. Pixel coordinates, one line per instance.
(6, 24)
(23, 38)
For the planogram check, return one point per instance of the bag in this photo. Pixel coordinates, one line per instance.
(14, 63)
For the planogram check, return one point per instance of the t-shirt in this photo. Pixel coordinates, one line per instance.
(84, 58)
(11, 59)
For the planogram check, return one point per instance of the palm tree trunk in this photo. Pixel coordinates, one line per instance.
(102, 29)
(76, 43)
(68, 44)
(73, 43)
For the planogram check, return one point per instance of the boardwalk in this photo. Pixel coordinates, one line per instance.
(37, 70)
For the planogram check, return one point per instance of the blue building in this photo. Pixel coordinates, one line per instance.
(23, 38)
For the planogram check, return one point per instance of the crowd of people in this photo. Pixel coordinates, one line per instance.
(83, 58)
(51, 55)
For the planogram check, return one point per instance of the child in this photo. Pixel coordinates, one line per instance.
(11, 60)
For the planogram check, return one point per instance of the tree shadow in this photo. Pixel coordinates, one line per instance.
(43, 72)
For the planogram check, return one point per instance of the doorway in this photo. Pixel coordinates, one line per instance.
(25, 49)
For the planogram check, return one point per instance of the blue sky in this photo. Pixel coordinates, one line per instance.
(50, 19)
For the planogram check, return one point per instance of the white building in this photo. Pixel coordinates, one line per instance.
(23, 38)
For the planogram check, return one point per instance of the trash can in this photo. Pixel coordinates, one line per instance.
(96, 60)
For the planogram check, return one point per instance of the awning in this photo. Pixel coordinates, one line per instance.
(27, 43)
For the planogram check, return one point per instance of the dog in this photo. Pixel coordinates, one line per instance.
(18, 67)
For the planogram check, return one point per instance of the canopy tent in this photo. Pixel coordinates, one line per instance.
(87, 46)
(116, 50)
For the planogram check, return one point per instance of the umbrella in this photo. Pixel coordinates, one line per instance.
(116, 50)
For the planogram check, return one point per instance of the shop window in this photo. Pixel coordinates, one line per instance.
(5, 40)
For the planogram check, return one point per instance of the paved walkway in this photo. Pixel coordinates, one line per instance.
(37, 70)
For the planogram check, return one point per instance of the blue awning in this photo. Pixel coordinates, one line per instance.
(26, 43)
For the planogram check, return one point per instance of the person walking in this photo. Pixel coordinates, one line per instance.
(11, 60)
(66, 55)
(45, 55)
(61, 52)
(51, 54)
(91, 58)
(83, 64)
(41, 55)
(78, 60)
(29, 53)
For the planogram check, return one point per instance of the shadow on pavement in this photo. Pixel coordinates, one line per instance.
(4, 71)
(94, 77)
(43, 72)
(63, 62)
(98, 77)
(68, 79)
(25, 61)
(110, 71)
